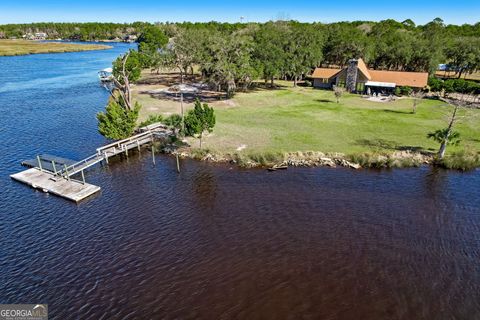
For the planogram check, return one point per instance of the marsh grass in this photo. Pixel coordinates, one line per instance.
(23, 47)
(378, 160)
(462, 160)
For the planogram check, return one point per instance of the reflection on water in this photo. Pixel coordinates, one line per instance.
(215, 242)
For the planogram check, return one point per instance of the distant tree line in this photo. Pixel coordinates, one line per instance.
(231, 56)
(90, 31)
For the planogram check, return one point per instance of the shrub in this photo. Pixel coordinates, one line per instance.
(117, 122)
(405, 90)
(398, 91)
(240, 159)
(199, 154)
(153, 118)
(435, 84)
(174, 121)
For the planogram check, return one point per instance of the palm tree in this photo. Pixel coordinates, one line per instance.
(446, 136)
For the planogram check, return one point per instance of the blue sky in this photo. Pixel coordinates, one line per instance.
(421, 11)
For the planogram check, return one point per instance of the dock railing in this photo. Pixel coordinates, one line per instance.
(119, 144)
(122, 146)
(81, 165)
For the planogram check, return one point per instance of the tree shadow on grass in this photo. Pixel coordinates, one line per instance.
(324, 100)
(168, 79)
(415, 149)
(397, 111)
(391, 145)
(204, 96)
(377, 143)
(259, 86)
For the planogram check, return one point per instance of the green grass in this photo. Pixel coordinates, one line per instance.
(303, 119)
(23, 47)
(462, 160)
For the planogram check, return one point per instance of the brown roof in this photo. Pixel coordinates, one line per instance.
(325, 73)
(363, 68)
(401, 78)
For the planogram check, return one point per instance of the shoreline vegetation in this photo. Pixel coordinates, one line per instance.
(303, 126)
(26, 47)
(462, 161)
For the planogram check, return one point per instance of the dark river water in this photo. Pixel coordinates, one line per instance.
(215, 242)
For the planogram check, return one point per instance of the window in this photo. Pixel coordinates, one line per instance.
(324, 80)
(360, 87)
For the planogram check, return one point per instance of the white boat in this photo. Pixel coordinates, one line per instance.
(105, 75)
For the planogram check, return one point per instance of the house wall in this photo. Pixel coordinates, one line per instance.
(318, 83)
(341, 80)
(361, 78)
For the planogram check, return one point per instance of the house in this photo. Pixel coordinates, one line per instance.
(35, 36)
(40, 36)
(356, 77)
(130, 38)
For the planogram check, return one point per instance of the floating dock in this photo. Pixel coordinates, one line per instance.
(53, 174)
(48, 182)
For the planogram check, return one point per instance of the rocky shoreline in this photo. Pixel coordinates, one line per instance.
(398, 159)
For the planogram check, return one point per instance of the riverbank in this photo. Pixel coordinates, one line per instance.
(24, 47)
(266, 126)
(462, 161)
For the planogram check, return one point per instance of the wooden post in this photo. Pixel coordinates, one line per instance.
(153, 153)
(66, 172)
(126, 151)
(54, 168)
(178, 164)
(83, 177)
(138, 146)
(105, 156)
(39, 163)
(183, 115)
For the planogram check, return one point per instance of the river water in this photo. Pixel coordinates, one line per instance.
(216, 242)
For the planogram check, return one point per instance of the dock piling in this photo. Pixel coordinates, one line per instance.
(39, 163)
(66, 172)
(54, 168)
(178, 163)
(153, 154)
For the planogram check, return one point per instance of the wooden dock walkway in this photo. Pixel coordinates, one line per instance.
(54, 174)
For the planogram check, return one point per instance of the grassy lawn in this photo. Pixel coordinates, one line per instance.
(22, 47)
(305, 119)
